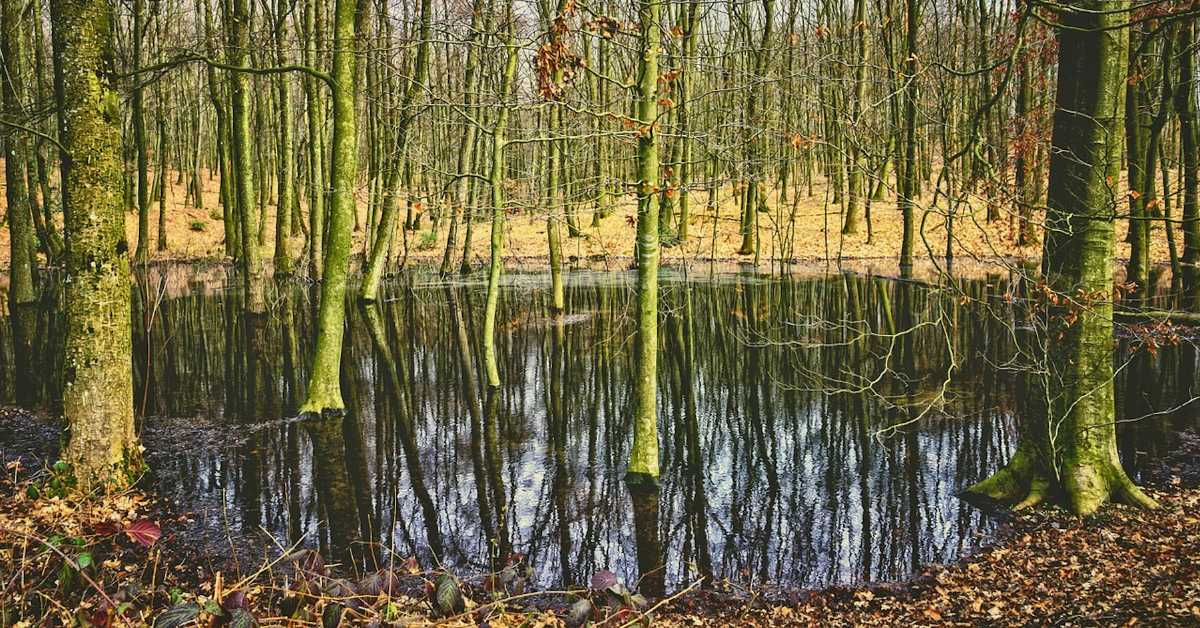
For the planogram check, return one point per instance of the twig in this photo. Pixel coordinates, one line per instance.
(663, 602)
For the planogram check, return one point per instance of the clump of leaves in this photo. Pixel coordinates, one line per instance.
(608, 600)
(59, 483)
(197, 225)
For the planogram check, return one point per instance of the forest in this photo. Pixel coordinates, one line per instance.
(599, 312)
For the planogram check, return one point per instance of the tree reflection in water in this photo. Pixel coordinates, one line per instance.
(775, 396)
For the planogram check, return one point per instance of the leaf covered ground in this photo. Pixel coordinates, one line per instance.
(119, 560)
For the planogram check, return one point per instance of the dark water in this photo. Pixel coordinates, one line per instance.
(776, 399)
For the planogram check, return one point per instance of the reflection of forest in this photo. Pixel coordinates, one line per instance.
(773, 395)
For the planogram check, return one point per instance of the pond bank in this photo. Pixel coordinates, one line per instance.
(102, 561)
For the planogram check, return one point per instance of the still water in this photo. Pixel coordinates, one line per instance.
(814, 430)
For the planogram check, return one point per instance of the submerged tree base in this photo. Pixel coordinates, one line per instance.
(640, 482)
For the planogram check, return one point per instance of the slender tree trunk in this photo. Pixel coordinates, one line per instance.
(750, 244)
(1137, 127)
(243, 157)
(690, 37)
(20, 224)
(857, 170)
(137, 112)
(324, 387)
(387, 222)
(643, 458)
(496, 180)
(465, 162)
(1185, 105)
(286, 158)
(314, 26)
(163, 182)
(908, 177)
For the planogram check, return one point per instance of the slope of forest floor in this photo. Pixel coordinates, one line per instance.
(197, 234)
(118, 560)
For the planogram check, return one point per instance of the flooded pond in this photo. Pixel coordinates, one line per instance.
(810, 435)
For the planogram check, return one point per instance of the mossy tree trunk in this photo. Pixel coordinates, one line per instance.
(16, 147)
(324, 387)
(314, 36)
(460, 202)
(102, 446)
(496, 179)
(643, 458)
(691, 19)
(908, 176)
(286, 157)
(243, 156)
(754, 153)
(1137, 131)
(1068, 448)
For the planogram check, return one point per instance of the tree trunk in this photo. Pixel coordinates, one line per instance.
(387, 221)
(286, 158)
(496, 179)
(908, 177)
(21, 235)
(1068, 446)
(643, 458)
(314, 35)
(137, 112)
(324, 387)
(98, 383)
(857, 170)
(243, 157)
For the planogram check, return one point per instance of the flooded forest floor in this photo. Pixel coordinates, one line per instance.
(123, 560)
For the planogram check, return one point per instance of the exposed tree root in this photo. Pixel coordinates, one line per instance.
(1083, 489)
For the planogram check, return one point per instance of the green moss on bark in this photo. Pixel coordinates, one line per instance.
(102, 446)
(1070, 450)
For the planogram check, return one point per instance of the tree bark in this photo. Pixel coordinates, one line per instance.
(102, 446)
(1068, 446)
(324, 386)
(643, 457)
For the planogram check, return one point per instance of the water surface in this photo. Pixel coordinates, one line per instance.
(814, 430)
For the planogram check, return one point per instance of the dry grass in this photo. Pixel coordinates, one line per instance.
(816, 233)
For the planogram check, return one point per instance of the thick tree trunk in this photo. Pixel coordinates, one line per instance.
(98, 382)
(1068, 446)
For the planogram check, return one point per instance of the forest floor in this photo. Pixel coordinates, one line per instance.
(119, 560)
(197, 234)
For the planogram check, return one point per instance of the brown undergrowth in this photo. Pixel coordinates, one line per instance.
(118, 560)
